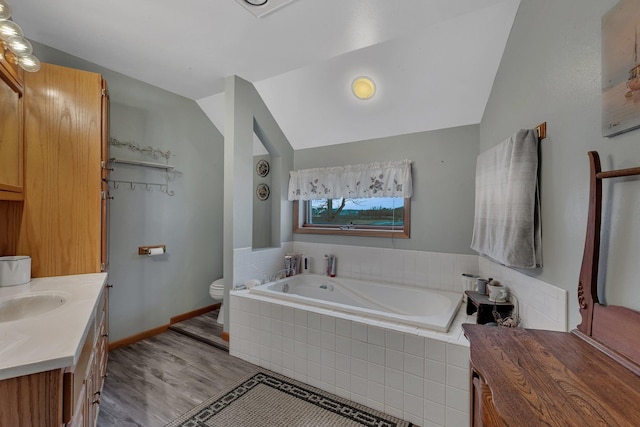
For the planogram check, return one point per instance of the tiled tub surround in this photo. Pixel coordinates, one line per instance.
(259, 264)
(416, 268)
(542, 306)
(413, 373)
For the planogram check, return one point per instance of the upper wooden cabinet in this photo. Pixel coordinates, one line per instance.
(11, 132)
(63, 224)
(104, 156)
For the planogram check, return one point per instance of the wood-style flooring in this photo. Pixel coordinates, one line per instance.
(153, 381)
(203, 328)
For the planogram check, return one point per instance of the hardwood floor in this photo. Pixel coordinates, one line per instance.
(153, 381)
(203, 328)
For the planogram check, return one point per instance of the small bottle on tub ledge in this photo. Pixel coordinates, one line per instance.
(330, 265)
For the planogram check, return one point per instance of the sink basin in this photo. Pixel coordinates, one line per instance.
(29, 305)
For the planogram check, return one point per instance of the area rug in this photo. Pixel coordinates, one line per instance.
(267, 399)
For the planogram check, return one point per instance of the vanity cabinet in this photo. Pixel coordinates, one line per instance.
(69, 396)
(11, 132)
(83, 383)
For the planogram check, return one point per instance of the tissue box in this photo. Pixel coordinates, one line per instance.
(15, 270)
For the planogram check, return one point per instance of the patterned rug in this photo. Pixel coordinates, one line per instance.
(267, 399)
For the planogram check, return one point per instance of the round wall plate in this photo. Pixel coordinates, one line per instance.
(256, 2)
(262, 168)
(262, 191)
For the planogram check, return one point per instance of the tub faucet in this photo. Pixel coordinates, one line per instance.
(282, 273)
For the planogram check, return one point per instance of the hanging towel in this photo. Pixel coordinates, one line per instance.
(506, 225)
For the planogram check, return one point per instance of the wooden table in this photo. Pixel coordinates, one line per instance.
(526, 377)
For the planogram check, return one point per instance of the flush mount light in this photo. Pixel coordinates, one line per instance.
(363, 87)
(261, 8)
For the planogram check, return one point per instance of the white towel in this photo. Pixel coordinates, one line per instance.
(507, 213)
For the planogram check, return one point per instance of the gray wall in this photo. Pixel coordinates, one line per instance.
(148, 291)
(443, 179)
(551, 71)
(246, 113)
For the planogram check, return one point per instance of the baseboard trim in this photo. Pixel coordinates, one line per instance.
(164, 328)
(225, 336)
(194, 313)
(138, 337)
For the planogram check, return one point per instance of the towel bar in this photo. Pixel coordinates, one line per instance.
(542, 131)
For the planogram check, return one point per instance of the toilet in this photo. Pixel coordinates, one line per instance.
(216, 290)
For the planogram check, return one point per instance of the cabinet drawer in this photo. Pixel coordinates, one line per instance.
(74, 387)
(79, 383)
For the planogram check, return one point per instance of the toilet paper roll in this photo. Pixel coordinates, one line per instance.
(156, 251)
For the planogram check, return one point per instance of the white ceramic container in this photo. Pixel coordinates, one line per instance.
(15, 270)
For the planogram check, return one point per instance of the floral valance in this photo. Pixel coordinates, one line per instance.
(380, 179)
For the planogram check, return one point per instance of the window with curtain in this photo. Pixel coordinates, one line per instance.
(371, 199)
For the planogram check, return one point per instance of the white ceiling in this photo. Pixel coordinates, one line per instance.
(434, 61)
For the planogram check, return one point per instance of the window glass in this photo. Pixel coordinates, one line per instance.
(375, 217)
(378, 212)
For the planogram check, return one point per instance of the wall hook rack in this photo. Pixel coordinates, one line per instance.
(148, 186)
(169, 175)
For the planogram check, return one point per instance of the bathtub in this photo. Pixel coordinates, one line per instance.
(426, 308)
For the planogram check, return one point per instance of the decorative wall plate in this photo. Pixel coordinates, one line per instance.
(262, 168)
(262, 191)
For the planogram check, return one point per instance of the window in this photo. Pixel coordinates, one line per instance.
(372, 199)
(374, 216)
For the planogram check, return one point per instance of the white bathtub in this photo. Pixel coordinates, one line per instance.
(427, 308)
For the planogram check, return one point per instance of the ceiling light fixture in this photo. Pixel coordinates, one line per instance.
(363, 87)
(14, 47)
(256, 2)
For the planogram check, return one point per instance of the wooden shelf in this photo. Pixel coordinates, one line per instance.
(484, 306)
(141, 163)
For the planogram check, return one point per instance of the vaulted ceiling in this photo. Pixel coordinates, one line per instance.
(433, 61)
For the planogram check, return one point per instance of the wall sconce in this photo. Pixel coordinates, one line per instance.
(362, 87)
(15, 47)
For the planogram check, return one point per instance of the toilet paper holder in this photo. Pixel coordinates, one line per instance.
(144, 250)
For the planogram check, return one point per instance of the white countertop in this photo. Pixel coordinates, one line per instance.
(51, 340)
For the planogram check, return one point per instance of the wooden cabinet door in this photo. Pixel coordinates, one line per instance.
(11, 135)
(61, 224)
(482, 411)
(106, 169)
